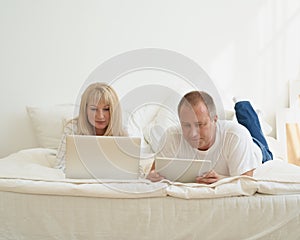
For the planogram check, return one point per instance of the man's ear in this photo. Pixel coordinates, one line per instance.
(216, 118)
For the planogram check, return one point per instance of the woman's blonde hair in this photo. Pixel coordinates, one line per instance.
(95, 93)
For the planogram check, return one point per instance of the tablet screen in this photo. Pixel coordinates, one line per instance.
(181, 170)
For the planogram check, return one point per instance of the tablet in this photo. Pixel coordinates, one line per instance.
(181, 170)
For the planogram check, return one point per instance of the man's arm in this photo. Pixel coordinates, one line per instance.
(212, 177)
(249, 173)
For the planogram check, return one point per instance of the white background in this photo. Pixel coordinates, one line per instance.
(250, 48)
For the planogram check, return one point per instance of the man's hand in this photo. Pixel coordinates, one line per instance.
(208, 178)
(153, 176)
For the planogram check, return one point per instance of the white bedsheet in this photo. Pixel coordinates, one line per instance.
(30, 171)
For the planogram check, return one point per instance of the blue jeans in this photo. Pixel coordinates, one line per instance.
(246, 116)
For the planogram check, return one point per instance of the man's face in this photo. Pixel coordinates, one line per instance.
(197, 127)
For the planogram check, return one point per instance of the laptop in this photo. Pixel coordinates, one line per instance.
(102, 157)
(181, 170)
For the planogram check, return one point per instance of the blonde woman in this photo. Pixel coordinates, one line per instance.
(99, 114)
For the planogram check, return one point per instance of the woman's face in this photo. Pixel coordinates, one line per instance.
(99, 116)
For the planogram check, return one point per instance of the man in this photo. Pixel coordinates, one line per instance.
(234, 149)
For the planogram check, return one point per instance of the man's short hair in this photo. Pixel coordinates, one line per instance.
(194, 97)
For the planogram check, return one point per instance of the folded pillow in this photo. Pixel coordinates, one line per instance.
(164, 119)
(276, 148)
(139, 119)
(48, 123)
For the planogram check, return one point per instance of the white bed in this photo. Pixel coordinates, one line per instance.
(38, 202)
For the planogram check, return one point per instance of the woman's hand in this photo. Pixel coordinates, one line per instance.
(208, 178)
(153, 176)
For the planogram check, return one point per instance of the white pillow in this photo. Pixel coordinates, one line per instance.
(137, 120)
(229, 114)
(48, 123)
(164, 119)
(276, 148)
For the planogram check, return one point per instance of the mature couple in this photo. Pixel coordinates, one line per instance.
(234, 149)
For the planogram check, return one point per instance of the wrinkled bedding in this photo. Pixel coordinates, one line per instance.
(31, 171)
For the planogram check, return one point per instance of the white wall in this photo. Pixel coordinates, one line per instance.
(250, 48)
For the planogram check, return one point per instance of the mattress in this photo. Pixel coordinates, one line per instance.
(30, 216)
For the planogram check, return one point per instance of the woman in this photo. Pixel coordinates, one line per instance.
(99, 114)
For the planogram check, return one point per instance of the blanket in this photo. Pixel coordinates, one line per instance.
(31, 171)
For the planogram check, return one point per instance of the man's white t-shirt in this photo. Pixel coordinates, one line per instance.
(233, 152)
